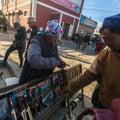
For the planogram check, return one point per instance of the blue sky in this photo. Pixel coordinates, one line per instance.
(0, 4)
(99, 9)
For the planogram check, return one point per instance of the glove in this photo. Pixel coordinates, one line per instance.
(66, 90)
(61, 65)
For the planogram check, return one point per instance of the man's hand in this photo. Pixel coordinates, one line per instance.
(65, 90)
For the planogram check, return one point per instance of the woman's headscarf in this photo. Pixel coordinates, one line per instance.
(54, 29)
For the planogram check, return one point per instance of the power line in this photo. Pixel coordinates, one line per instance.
(107, 7)
(98, 10)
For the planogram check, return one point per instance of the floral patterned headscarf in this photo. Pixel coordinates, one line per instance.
(54, 29)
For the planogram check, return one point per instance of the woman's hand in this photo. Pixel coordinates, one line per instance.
(61, 65)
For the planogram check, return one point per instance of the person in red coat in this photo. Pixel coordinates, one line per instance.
(99, 46)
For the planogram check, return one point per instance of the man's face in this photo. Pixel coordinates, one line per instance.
(31, 24)
(16, 28)
(112, 40)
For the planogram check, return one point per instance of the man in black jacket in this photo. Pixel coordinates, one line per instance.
(18, 43)
(34, 28)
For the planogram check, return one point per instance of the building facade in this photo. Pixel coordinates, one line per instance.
(66, 12)
(87, 25)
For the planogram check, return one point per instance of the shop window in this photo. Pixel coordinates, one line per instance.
(25, 13)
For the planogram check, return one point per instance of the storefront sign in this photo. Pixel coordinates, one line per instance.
(73, 5)
(87, 21)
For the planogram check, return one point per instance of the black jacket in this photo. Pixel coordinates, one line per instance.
(34, 31)
(20, 37)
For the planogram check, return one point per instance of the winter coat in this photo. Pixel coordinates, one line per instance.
(107, 65)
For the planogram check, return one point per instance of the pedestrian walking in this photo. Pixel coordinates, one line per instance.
(18, 43)
(86, 40)
(77, 39)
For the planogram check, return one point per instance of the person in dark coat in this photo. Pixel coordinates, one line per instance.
(86, 40)
(32, 22)
(18, 43)
(34, 31)
(77, 39)
(42, 54)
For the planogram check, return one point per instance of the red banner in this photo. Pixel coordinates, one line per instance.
(74, 6)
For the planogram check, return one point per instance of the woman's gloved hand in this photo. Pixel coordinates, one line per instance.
(61, 64)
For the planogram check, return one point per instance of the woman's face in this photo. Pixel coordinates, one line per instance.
(51, 40)
(112, 40)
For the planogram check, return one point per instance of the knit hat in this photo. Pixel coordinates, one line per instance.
(112, 21)
(31, 19)
(16, 24)
(54, 29)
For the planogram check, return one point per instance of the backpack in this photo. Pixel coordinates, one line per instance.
(103, 114)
